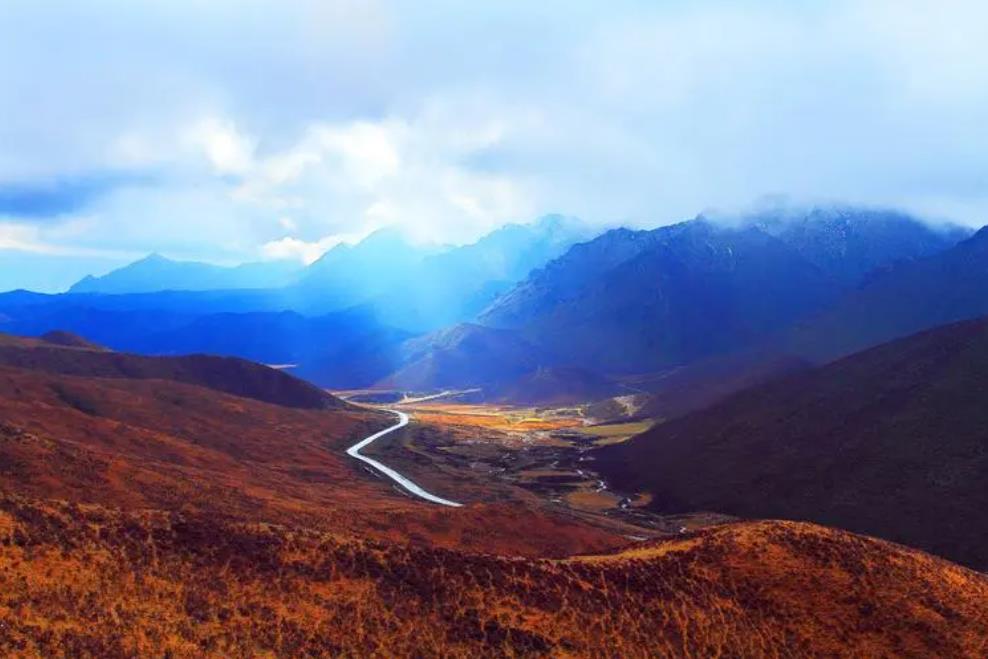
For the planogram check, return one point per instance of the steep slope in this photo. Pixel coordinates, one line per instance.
(465, 355)
(181, 585)
(561, 280)
(673, 393)
(889, 442)
(901, 299)
(230, 375)
(157, 273)
(640, 301)
(501, 364)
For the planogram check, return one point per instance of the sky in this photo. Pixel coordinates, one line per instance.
(242, 130)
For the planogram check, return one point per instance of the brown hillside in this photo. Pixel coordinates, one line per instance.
(171, 446)
(90, 581)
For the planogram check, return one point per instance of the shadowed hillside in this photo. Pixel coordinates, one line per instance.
(63, 355)
(889, 442)
(899, 300)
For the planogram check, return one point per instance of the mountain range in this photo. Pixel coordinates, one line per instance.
(412, 286)
(702, 291)
(733, 296)
(157, 273)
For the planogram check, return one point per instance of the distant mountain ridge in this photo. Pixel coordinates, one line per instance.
(642, 301)
(850, 243)
(343, 349)
(415, 287)
(625, 302)
(156, 273)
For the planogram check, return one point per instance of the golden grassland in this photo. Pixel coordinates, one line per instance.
(615, 433)
(86, 580)
(154, 518)
(494, 417)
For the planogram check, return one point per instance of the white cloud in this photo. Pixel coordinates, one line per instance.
(293, 249)
(342, 116)
(49, 241)
(228, 151)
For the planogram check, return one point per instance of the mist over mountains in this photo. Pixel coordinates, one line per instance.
(535, 299)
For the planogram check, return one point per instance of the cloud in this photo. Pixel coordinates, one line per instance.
(44, 199)
(447, 120)
(293, 249)
(228, 150)
(35, 240)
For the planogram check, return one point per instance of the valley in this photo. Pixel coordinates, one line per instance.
(493, 330)
(478, 452)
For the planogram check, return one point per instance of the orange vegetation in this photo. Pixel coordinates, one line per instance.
(155, 517)
(491, 417)
(173, 446)
(86, 580)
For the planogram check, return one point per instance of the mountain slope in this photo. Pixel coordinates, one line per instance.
(465, 355)
(185, 585)
(342, 349)
(157, 273)
(229, 375)
(634, 301)
(889, 442)
(353, 274)
(136, 444)
(849, 243)
(900, 300)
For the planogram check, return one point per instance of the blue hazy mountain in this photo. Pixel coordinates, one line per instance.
(849, 243)
(157, 273)
(901, 299)
(655, 299)
(340, 322)
(455, 285)
(345, 348)
(549, 304)
(412, 286)
(644, 300)
(351, 274)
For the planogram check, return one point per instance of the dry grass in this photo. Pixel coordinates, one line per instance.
(616, 433)
(493, 417)
(91, 581)
(592, 500)
(170, 446)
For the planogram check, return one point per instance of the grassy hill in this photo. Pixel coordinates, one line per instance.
(156, 517)
(87, 580)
